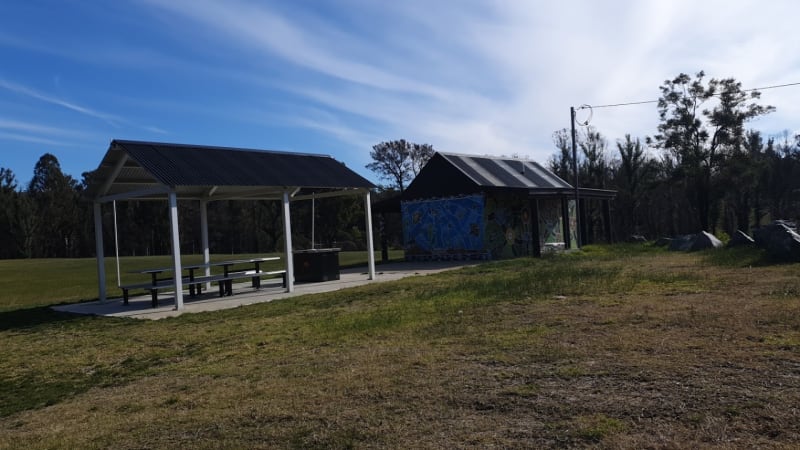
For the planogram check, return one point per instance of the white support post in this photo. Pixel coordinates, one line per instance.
(176, 250)
(287, 238)
(370, 246)
(204, 238)
(98, 243)
(116, 243)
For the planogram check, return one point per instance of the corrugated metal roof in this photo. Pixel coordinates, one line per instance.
(487, 171)
(195, 171)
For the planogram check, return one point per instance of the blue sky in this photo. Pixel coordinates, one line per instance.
(336, 77)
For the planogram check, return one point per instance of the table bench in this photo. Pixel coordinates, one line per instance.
(225, 281)
(152, 287)
(194, 283)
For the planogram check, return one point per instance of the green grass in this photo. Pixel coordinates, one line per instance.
(39, 282)
(617, 347)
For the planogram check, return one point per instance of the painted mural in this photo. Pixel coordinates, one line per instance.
(551, 224)
(508, 226)
(450, 226)
(573, 224)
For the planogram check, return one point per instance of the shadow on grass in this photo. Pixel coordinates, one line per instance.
(21, 319)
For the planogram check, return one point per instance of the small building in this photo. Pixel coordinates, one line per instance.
(482, 207)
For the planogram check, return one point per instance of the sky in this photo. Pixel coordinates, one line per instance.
(486, 77)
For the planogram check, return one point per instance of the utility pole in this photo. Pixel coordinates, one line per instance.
(575, 168)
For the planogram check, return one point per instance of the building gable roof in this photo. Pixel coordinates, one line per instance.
(487, 171)
(448, 174)
(195, 171)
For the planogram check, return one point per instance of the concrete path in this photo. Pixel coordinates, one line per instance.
(139, 307)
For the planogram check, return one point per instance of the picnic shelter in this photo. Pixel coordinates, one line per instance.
(136, 170)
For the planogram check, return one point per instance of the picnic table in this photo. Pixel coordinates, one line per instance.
(194, 282)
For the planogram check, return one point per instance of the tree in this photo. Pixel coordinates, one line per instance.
(420, 154)
(739, 181)
(594, 169)
(399, 161)
(27, 226)
(631, 173)
(700, 138)
(561, 162)
(55, 199)
(9, 206)
(781, 180)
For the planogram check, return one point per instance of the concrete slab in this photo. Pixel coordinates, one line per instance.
(139, 306)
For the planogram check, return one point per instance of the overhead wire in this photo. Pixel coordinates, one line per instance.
(614, 105)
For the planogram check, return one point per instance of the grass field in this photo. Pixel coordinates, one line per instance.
(40, 282)
(613, 347)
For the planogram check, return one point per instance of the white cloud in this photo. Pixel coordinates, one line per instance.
(29, 127)
(28, 92)
(28, 138)
(499, 77)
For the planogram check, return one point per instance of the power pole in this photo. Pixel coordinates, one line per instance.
(575, 168)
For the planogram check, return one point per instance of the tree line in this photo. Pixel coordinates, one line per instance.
(701, 170)
(50, 218)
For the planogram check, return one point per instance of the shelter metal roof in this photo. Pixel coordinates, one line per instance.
(487, 171)
(448, 174)
(147, 170)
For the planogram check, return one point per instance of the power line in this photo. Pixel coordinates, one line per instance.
(620, 104)
(614, 105)
(773, 87)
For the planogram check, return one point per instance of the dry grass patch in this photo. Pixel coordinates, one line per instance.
(616, 347)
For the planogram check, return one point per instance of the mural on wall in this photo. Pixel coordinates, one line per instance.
(573, 224)
(451, 226)
(508, 226)
(551, 225)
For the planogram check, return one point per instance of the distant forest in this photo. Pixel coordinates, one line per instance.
(659, 196)
(49, 218)
(701, 170)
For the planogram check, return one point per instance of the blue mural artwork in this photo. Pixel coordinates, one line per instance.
(443, 226)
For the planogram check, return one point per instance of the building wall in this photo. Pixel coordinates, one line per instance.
(508, 226)
(448, 228)
(551, 224)
(573, 224)
(494, 225)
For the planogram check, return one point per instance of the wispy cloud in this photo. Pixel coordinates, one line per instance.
(259, 28)
(32, 93)
(114, 120)
(27, 138)
(489, 77)
(26, 126)
(39, 129)
(155, 130)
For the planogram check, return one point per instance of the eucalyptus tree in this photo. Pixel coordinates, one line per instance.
(741, 183)
(632, 171)
(701, 123)
(561, 162)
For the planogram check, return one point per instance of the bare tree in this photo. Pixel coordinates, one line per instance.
(399, 161)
